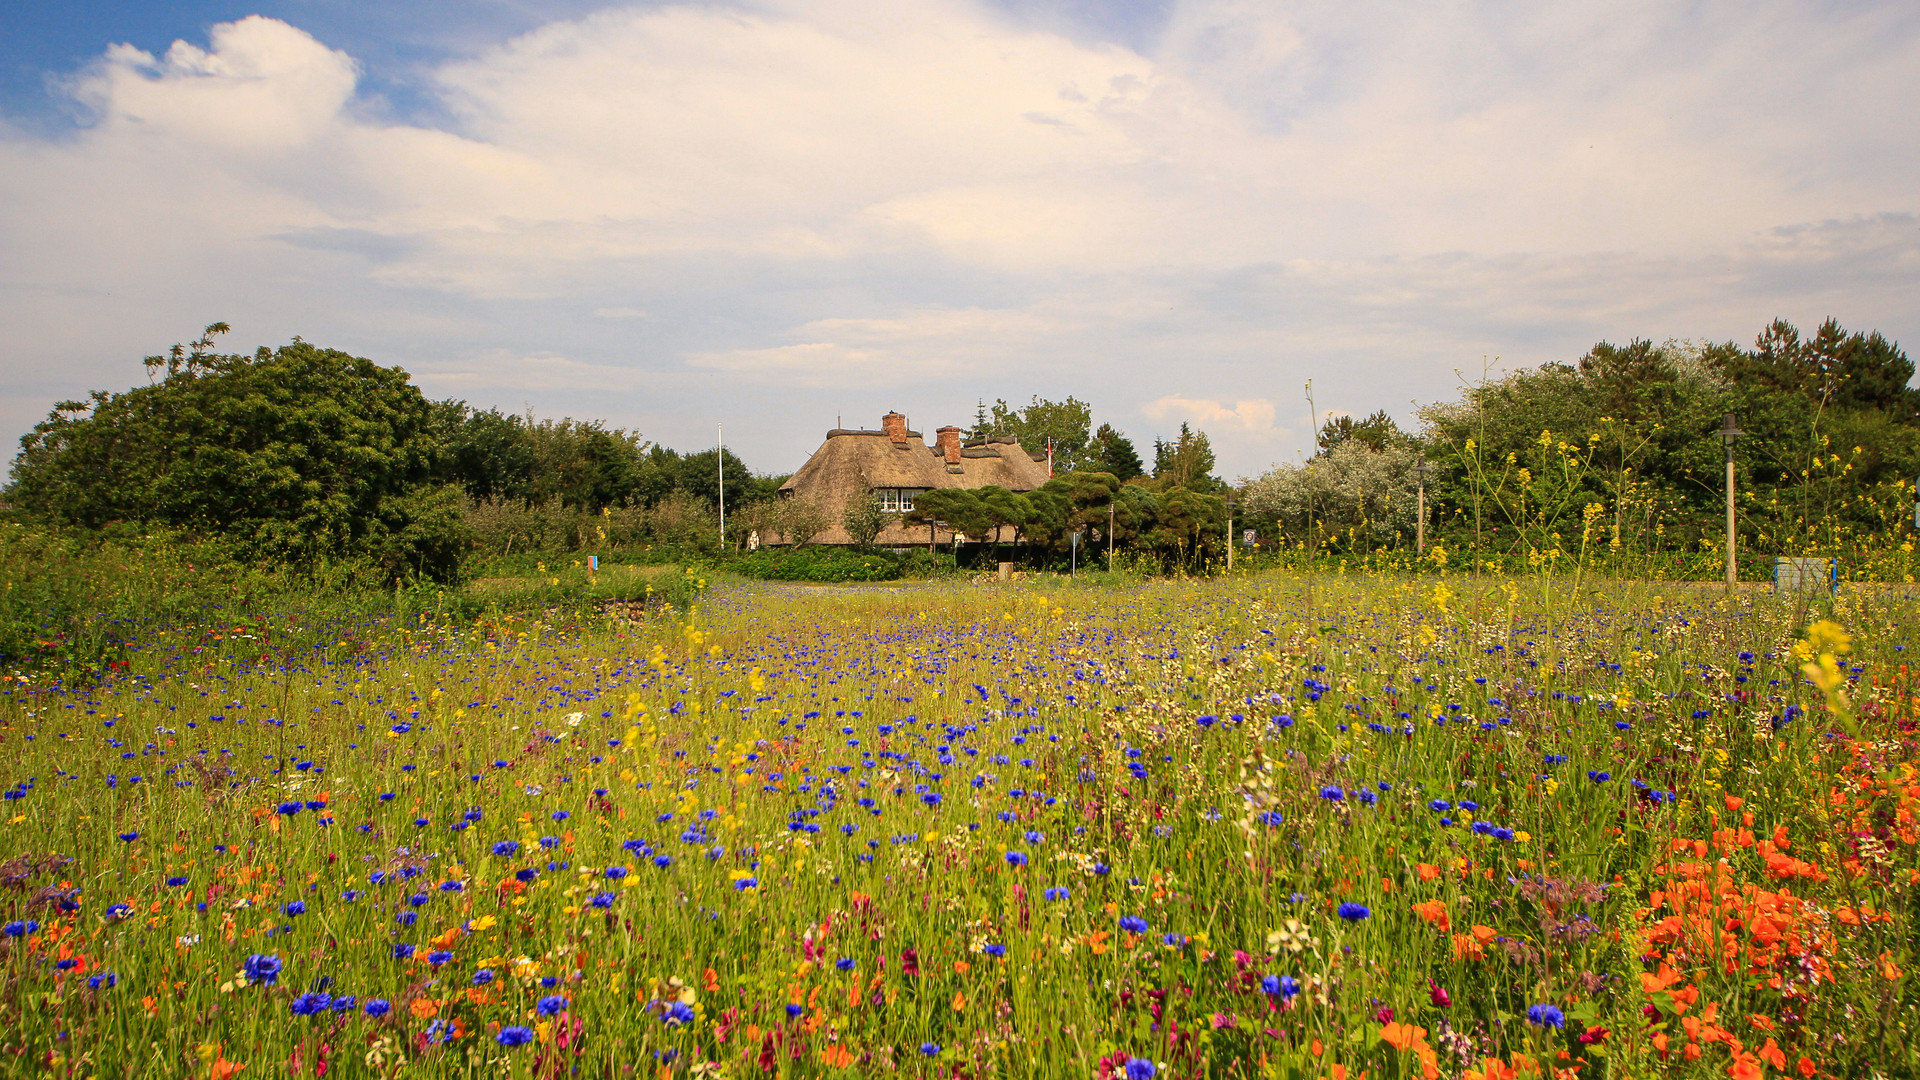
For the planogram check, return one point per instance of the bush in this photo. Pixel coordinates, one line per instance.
(818, 564)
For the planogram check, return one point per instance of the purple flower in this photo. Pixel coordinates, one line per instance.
(263, 970)
(1546, 1016)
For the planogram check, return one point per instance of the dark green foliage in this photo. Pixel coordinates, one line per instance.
(300, 455)
(959, 509)
(1114, 453)
(1832, 436)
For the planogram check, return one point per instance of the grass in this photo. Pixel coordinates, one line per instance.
(1262, 826)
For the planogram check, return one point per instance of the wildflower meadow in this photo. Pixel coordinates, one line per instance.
(1270, 825)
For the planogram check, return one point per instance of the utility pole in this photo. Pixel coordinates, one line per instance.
(1728, 433)
(1420, 522)
(720, 437)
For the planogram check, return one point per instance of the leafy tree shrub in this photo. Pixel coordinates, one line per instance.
(1352, 490)
(299, 455)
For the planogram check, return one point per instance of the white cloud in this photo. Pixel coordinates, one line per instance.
(793, 203)
(1254, 416)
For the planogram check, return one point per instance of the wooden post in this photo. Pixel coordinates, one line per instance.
(1420, 521)
(1229, 535)
(1728, 433)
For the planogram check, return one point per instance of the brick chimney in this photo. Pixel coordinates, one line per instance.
(948, 439)
(895, 425)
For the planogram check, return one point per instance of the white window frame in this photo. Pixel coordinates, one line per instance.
(898, 500)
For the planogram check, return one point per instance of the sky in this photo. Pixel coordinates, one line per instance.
(783, 215)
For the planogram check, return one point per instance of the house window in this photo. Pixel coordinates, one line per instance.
(898, 500)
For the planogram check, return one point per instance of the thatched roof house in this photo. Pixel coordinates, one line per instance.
(898, 464)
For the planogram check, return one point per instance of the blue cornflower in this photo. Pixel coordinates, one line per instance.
(1546, 1016)
(1354, 912)
(263, 969)
(1017, 858)
(1133, 924)
(378, 1007)
(678, 1013)
(1140, 1069)
(507, 848)
(551, 1005)
(514, 1036)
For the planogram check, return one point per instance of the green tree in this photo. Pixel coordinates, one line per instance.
(1186, 462)
(1066, 425)
(1376, 432)
(959, 509)
(864, 519)
(1114, 453)
(299, 454)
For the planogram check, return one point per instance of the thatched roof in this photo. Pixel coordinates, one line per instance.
(853, 461)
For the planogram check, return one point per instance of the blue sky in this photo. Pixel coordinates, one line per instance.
(776, 213)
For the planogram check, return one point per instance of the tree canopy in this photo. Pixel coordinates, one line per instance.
(1065, 425)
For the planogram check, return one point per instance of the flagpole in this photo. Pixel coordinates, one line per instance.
(720, 437)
